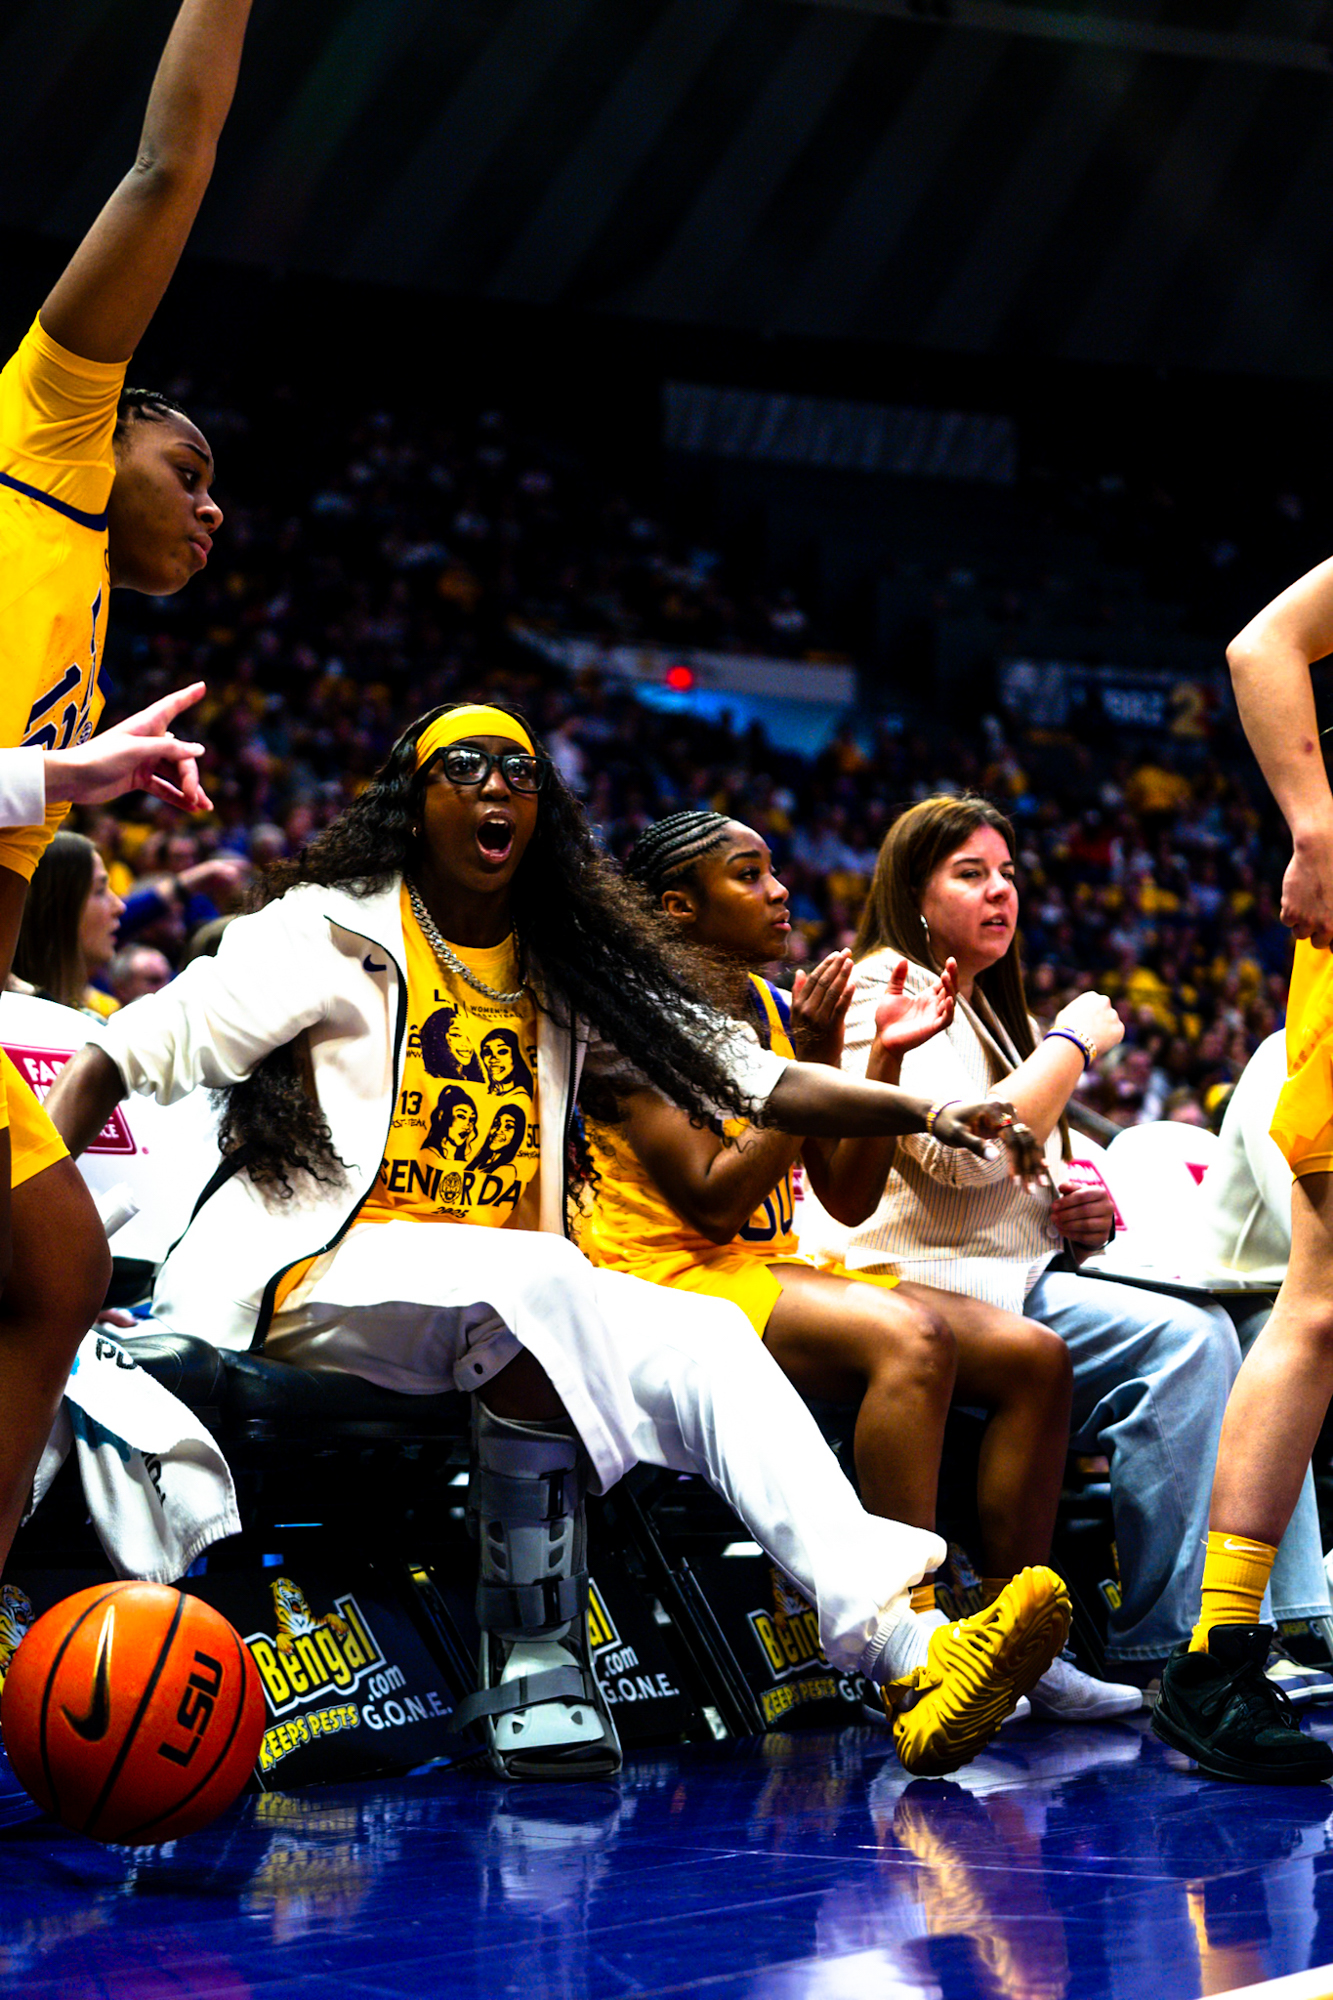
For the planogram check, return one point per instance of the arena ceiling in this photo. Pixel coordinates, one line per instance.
(1136, 183)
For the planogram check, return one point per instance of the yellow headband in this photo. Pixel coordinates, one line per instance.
(473, 720)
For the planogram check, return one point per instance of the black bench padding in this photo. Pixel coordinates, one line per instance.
(189, 1368)
(249, 1390)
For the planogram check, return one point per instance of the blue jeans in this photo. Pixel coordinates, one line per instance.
(1299, 1587)
(1152, 1374)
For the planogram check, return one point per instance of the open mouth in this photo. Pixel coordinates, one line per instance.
(495, 837)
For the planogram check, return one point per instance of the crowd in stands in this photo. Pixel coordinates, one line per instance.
(385, 566)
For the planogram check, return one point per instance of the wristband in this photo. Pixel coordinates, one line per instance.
(933, 1114)
(1084, 1043)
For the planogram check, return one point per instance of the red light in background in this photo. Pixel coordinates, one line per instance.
(680, 678)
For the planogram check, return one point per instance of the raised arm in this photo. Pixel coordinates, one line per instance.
(102, 303)
(1270, 665)
(847, 1175)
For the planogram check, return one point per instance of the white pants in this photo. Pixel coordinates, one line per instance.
(645, 1373)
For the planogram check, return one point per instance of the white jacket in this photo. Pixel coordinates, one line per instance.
(331, 964)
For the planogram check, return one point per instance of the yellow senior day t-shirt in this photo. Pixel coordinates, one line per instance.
(463, 1146)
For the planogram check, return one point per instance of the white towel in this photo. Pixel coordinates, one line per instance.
(158, 1489)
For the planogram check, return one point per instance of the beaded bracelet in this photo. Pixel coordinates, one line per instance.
(1083, 1043)
(933, 1114)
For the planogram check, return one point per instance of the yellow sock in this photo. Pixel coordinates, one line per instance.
(923, 1595)
(1235, 1575)
(991, 1586)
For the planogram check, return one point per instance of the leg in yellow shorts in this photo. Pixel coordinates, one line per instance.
(899, 1354)
(34, 1143)
(54, 1282)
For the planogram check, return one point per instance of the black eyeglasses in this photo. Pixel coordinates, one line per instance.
(464, 765)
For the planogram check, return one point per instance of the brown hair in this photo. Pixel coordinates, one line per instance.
(914, 846)
(47, 954)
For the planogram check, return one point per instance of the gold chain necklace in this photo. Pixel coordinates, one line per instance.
(449, 958)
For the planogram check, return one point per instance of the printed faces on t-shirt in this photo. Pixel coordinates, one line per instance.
(464, 1140)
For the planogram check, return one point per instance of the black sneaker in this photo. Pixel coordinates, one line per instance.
(1221, 1710)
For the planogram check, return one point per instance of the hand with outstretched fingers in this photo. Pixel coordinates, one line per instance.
(137, 755)
(819, 1002)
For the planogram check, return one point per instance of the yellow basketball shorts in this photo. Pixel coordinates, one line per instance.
(1303, 1120)
(748, 1282)
(34, 1143)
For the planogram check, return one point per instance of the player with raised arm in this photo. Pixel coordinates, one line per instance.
(100, 487)
(1215, 1703)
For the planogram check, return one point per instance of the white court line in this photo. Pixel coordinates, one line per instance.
(1316, 1984)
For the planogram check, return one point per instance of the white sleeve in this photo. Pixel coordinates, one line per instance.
(756, 1069)
(22, 787)
(935, 1071)
(215, 1023)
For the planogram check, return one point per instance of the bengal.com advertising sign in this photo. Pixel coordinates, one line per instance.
(774, 1634)
(350, 1687)
(348, 1682)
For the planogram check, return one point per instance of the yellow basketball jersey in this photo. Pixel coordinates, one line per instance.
(633, 1227)
(57, 420)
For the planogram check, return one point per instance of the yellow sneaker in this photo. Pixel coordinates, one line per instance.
(975, 1671)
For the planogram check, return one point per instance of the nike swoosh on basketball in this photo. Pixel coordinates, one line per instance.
(93, 1726)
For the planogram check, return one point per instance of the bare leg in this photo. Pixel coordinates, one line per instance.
(58, 1280)
(1022, 1373)
(522, 1392)
(833, 1337)
(1283, 1389)
(13, 897)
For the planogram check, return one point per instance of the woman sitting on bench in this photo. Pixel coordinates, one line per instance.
(677, 1204)
(1151, 1371)
(342, 1231)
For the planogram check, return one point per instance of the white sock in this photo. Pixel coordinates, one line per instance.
(903, 1646)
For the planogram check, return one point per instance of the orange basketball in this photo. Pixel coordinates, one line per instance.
(132, 1712)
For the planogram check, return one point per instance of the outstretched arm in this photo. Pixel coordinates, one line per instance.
(83, 1097)
(112, 286)
(1270, 665)
(823, 1103)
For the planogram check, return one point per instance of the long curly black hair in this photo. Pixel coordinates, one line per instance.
(586, 934)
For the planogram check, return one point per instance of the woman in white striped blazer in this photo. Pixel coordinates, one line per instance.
(1151, 1371)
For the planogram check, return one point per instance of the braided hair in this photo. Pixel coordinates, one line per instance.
(143, 406)
(598, 950)
(671, 849)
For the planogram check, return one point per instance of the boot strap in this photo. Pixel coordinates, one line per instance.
(531, 1607)
(496, 1496)
(555, 1684)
